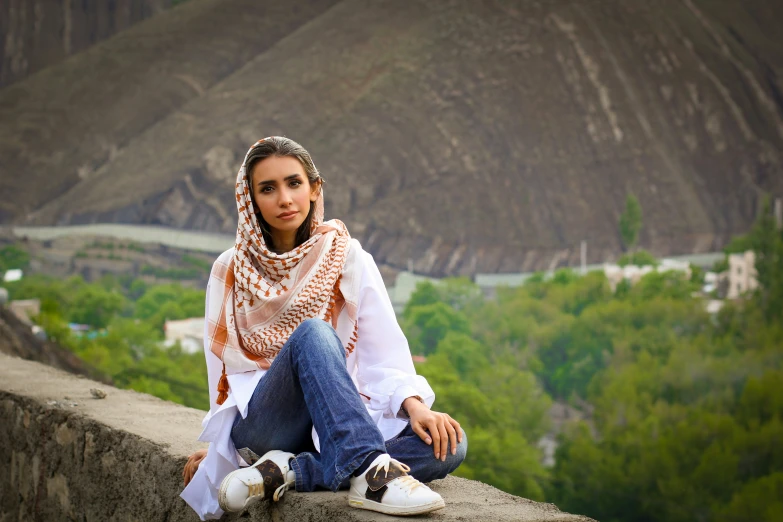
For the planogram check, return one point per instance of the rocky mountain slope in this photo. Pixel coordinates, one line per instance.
(464, 136)
(40, 33)
(16, 339)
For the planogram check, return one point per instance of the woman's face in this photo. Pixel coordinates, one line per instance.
(282, 193)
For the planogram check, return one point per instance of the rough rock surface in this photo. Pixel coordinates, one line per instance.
(35, 34)
(17, 339)
(464, 136)
(70, 456)
(61, 124)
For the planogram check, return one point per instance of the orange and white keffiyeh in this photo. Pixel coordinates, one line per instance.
(266, 296)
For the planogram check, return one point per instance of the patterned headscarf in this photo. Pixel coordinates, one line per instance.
(266, 296)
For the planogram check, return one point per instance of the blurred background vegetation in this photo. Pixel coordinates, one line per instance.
(680, 410)
(461, 138)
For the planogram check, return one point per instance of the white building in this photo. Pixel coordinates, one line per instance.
(15, 274)
(403, 288)
(25, 309)
(633, 273)
(742, 274)
(189, 333)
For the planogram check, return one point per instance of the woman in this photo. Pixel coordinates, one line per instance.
(307, 364)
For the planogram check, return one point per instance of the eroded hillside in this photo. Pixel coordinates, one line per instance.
(39, 33)
(466, 136)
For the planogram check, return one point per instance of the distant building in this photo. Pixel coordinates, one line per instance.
(403, 288)
(406, 282)
(189, 333)
(742, 274)
(633, 273)
(713, 306)
(15, 274)
(25, 309)
(711, 282)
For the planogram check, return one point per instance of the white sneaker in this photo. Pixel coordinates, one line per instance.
(386, 487)
(269, 477)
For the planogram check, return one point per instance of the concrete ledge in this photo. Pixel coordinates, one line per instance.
(69, 456)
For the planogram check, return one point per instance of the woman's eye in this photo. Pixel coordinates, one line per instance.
(266, 190)
(296, 183)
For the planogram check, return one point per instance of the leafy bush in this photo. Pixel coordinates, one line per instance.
(638, 258)
(13, 256)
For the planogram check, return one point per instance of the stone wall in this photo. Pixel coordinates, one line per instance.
(68, 456)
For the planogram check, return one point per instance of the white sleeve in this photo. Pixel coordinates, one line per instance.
(214, 364)
(385, 371)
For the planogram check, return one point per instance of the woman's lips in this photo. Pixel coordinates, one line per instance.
(287, 215)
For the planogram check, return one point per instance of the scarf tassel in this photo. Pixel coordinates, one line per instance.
(329, 316)
(222, 387)
(354, 338)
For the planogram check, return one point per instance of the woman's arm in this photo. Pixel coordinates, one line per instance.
(441, 426)
(385, 369)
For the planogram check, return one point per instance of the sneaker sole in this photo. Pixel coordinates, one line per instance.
(395, 510)
(222, 492)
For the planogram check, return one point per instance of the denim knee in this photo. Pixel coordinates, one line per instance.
(462, 451)
(315, 334)
(452, 462)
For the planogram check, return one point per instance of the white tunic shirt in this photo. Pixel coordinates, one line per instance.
(381, 368)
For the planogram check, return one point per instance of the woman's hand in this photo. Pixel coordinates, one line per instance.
(192, 465)
(441, 427)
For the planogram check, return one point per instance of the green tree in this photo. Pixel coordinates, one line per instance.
(426, 293)
(53, 293)
(13, 256)
(169, 302)
(638, 258)
(630, 222)
(95, 306)
(428, 325)
(501, 409)
(765, 239)
(767, 242)
(760, 500)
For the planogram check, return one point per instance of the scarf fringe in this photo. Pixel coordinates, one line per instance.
(354, 339)
(333, 303)
(254, 276)
(222, 387)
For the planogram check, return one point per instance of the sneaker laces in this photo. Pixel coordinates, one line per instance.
(258, 489)
(254, 490)
(406, 482)
(282, 489)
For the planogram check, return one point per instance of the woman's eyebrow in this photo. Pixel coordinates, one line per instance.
(272, 182)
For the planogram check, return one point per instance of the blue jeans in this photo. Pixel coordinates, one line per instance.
(308, 384)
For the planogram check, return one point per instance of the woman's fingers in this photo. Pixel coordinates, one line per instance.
(432, 426)
(452, 436)
(444, 439)
(457, 428)
(191, 466)
(422, 433)
(186, 473)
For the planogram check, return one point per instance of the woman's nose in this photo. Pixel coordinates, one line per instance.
(285, 198)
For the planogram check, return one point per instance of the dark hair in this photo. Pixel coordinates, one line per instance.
(281, 147)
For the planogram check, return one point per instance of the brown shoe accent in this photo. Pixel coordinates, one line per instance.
(378, 478)
(273, 477)
(376, 496)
